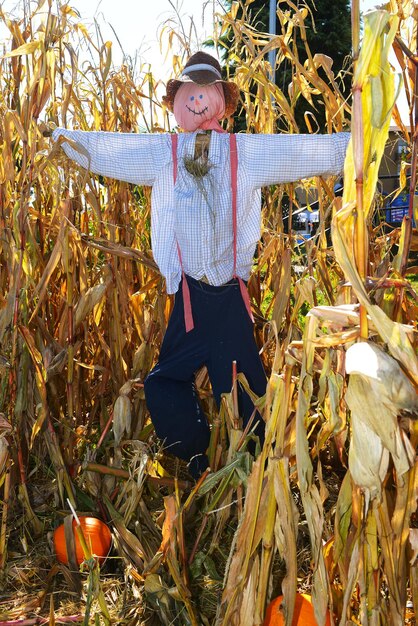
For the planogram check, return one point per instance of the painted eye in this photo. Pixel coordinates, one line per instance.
(200, 97)
(191, 98)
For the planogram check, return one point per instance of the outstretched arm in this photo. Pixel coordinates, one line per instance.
(134, 158)
(273, 159)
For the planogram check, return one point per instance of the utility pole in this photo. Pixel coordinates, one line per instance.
(272, 31)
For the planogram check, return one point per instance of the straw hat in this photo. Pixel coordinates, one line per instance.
(203, 69)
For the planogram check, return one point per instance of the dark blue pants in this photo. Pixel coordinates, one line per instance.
(223, 333)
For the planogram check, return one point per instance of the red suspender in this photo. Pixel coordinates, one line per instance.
(188, 317)
(234, 184)
(174, 142)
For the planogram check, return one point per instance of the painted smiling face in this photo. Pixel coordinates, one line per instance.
(198, 106)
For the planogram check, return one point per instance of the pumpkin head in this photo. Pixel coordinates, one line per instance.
(196, 106)
(96, 533)
(302, 616)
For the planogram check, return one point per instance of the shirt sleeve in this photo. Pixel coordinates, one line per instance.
(273, 159)
(131, 157)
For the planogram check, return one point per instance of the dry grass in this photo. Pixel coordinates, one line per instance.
(82, 314)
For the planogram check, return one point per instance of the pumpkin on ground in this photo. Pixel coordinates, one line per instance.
(302, 616)
(96, 533)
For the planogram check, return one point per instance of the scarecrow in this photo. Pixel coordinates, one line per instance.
(205, 225)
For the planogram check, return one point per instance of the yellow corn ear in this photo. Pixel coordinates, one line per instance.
(122, 418)
(375, 78)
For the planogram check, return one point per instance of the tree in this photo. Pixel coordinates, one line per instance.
(328, 32)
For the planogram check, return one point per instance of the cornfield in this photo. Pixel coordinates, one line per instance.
(328, 506)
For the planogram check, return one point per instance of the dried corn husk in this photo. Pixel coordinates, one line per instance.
(4, 455)
(89, 300)
(368, 459)
(377, 392)
(122, 418)
(370, 361)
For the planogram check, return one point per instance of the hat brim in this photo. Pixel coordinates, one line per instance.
(200, 77)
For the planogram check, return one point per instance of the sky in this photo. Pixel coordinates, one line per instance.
(137, 23)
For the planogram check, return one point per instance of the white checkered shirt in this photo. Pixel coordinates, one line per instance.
(198, 214)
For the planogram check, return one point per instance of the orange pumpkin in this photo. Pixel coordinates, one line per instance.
(302, 616)
(97, 535)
